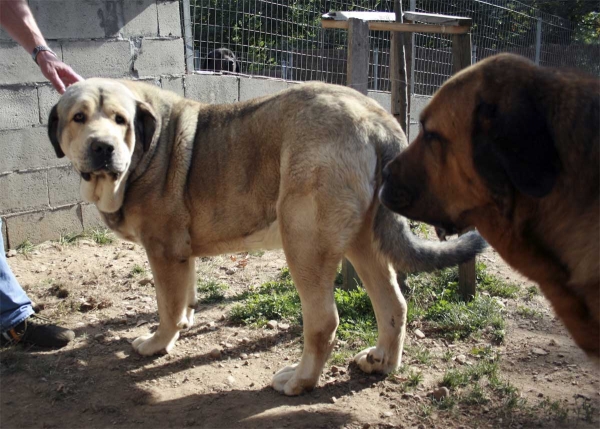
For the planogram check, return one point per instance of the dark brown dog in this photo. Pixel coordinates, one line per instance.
(513, 149)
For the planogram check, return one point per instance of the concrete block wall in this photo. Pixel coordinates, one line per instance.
(133, 39)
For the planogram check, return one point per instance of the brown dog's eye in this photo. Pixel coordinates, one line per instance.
(119, 120)
(79, 117)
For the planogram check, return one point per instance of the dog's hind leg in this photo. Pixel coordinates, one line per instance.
(379, 279)
(173, 280)
(313, 256)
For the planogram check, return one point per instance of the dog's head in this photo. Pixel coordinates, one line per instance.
(484, 137)
(102, 127)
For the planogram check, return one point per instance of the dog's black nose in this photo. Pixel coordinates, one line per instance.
(102, 149)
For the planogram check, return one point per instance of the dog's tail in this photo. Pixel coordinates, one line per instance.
(409, 253)
(406, 251)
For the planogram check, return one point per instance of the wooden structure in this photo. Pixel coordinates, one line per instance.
(358, 25)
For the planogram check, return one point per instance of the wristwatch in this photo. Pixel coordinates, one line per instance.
(39, 49)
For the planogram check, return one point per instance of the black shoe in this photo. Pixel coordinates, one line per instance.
(37, 332)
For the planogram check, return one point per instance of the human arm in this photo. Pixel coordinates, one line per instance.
(16, 18)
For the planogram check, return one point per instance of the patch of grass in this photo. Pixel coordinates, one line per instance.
(462, 377)
(555, 408)
(69, 238)
(531, 292)
(211, 292)
(422, 355)
(357, 319)
(493, 285)
(25, 247)
(257, 253)
(458, 320)
(414, 378)
(419, 228)
(101, 236)
(475, 396)
(137, 270)
(447, 356)
(529, 313)
(586, 411)
(340, 357)
(276, 300)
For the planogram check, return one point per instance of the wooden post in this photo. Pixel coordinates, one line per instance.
(461, 58)
(357, 78)
(398, 72)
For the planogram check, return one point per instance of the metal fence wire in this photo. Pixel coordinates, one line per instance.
(283, 39)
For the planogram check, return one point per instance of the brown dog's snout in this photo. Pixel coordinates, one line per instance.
(101, 152)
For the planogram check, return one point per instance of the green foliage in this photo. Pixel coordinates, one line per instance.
(137, 270)
(528, 313)
(25, 247)
(464, 376)
(493, 285)
(101, 236)
(210, 291)
(70, 238)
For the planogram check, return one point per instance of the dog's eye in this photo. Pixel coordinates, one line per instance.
(119, 120)
(79, 117)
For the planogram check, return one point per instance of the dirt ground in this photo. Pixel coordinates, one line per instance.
(105, 294)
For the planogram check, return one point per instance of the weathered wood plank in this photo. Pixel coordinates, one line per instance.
(401, 27)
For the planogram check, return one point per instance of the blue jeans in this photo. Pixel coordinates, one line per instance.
(15, 306)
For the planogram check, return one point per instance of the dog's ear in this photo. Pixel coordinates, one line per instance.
(514, 143)
(53, 132)
(145, 125)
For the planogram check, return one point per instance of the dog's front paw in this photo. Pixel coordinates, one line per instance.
(374, 359)
(287, 382)
(151, 344)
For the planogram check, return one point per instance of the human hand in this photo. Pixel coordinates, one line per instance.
(58, 73)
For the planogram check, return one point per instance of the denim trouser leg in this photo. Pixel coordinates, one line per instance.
(15, 306)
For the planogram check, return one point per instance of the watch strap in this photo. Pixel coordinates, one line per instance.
(39, 49)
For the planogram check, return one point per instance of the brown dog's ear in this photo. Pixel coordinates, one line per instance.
(515, 146)
(53, 132)
(145, 125)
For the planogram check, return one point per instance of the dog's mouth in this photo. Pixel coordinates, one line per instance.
(103, 171)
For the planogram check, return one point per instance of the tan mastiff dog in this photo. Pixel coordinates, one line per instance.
(513, 149)
(300, 170)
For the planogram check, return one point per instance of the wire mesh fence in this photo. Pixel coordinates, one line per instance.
(281, 39)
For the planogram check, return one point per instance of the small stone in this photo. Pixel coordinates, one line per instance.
(210, 325)
(333, 399)
(540, 395)
(419, 334)
(461, 359)
(11, 253)
(272, 324)
(244, 356)
(246, 363)
(231, 271)
(538, 351)
(441, 393)
(582, 396)
(388, 414)
(283, 326)
(215, 353)
(145, 281)
(245, 340)
(230, 381)
(553, 342)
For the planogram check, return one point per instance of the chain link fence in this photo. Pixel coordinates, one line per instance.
(282, 39)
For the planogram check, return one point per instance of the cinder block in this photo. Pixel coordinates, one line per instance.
(383, 98)
(91, 217)
(70, 19)
(18, 107)
(252, 87)
(417, 104)
(27, 148)
(92, 58)
(18, 67)
(212, 89)
(140, 18)
(47, 97)
(43, 225)
(169, 18)
(173, 83)
(63, 186)
(160, 56)
(23, 191)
